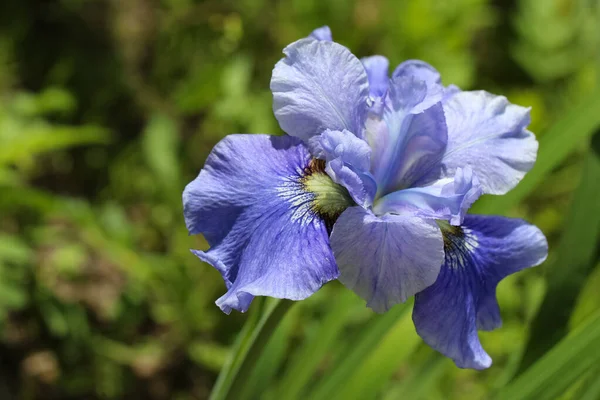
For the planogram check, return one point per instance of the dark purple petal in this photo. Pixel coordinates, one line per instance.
(480, 254)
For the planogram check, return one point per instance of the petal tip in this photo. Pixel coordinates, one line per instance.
(322, 33)
(480, 362)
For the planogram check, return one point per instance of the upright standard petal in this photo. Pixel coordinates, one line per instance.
(250, 203)
(489, 134)
(386, 259)
(423, 71)
(319, 85)
(322, 33)
(418, 69)
(377, 72)
(478, 256)
(348, 160)
(448, 199)
(409, 138)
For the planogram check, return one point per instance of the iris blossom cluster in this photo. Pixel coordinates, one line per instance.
(371, 185)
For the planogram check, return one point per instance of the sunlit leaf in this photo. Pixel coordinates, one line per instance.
(349, 363)
(308, 358)
(271, 359)
(45, 138)
(249, 345)
(420, 380)
(574, 261)
(553, 373)
(160, 144)
(377, 368)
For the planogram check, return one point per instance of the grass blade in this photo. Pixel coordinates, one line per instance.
(247, 350)
(37, 140)
(590, 388)
(270, 360)
(574, 262)
(418, 384)
(379, 366)
(345, 368)
(552, 374)
(311, 354)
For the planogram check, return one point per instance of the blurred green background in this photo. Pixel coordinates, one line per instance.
(109, 107)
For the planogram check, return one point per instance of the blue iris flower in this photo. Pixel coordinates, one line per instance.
(371, 186)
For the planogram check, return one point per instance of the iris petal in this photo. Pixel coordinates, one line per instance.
(250, 204)
(322, 33)
(447, 199)
(489, 134)
(319, 85)
(409, 138)
(423, 71)
(478, 256)
(377, 71)
(386, 259)
(418, 69)
(348, 160)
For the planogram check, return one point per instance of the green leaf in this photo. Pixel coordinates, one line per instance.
(240, 346)
(308, 358)
(12, 297)
(270, 360)
(51, 100)
(420, 381)
(160, 143)
(590, 387)
(22, 197)
(575, 260)
(247, 350)
(208, 354)
(9, 177)
(347, 366)
(588, 298)
(552, 374)
(556, 144)
(376, 369)
(15, 250)
(548, 54)
(45, 138)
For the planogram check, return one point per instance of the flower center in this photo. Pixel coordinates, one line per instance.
(450, 233)
(330, 199)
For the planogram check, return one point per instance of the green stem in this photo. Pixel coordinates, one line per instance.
(247, 349)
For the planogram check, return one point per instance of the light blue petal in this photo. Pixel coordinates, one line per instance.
(348, 161)
(250, 204)
(418, 69)
(322, 33)
(448, 313)
(423, 71)
(489, 134)
(319, 85)
(409, 138)
(386, 259)
(377, 71)
(447, 199)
